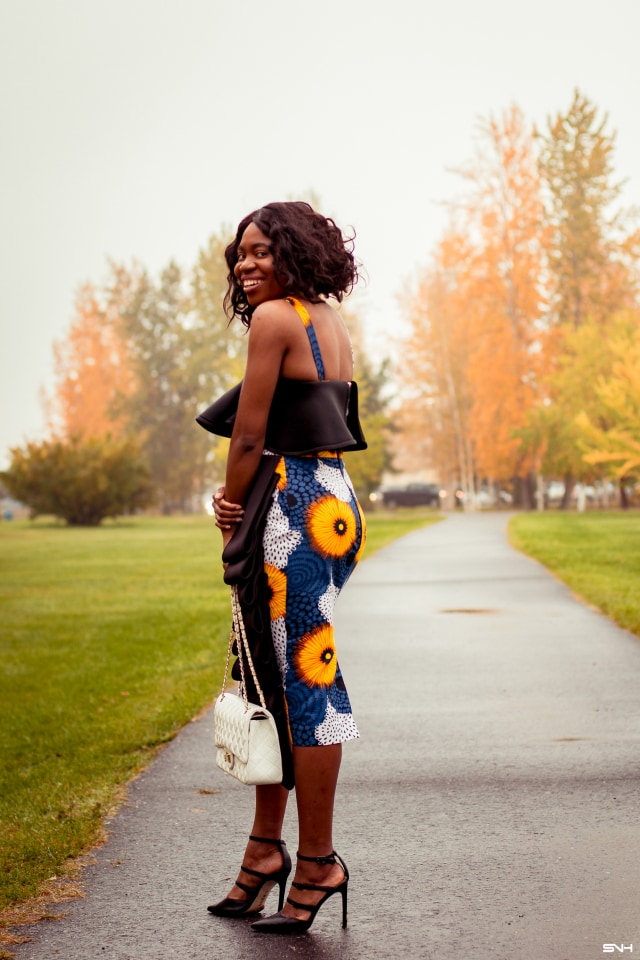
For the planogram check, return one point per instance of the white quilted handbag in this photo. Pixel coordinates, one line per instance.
(246, 738)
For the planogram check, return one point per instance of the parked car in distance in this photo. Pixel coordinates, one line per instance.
(411, 495)
(486, 497)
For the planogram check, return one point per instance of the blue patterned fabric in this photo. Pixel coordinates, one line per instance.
(313, 539)
(315, 349)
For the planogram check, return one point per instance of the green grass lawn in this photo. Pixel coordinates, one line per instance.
(111, 639)
(596, 554)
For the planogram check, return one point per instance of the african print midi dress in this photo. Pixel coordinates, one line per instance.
(313, 539)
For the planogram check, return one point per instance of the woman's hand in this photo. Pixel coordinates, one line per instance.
(228, 515)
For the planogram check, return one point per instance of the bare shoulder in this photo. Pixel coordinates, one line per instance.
(274, 317)
(272, 310)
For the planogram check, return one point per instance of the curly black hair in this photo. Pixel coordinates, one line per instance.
(311, 257)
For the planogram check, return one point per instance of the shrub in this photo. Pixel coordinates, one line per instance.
(80, 480)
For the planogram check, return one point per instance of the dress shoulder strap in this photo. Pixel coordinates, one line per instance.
(303, 313)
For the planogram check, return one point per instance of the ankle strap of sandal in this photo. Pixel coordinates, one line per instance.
(277, 843)
(330, 858)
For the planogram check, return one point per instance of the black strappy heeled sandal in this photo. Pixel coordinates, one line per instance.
(230, 907)
(279, 924)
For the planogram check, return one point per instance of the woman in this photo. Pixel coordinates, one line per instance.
(297, 411)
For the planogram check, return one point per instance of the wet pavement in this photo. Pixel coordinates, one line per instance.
(490, 811)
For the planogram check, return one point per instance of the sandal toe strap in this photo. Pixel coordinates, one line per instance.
(253, 873)
(245, 887)
(312, 886)
(309, 907)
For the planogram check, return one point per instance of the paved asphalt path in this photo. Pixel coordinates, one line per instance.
(490, 811)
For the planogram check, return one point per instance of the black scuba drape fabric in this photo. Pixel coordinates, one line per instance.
(244, 555)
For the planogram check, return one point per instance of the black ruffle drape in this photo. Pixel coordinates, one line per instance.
(244, 556)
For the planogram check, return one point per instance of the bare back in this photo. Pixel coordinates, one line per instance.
(333, 339)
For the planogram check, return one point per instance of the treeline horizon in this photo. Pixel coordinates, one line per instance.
(142, 357)
(522, 362)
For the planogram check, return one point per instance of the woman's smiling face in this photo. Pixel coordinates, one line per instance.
(254, 269)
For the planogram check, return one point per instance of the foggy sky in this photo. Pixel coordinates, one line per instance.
(134, 129)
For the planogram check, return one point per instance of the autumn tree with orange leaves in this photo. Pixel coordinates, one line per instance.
(534, 252)
(93, 370)
(434, 418)
(472, 354)
(504, 214)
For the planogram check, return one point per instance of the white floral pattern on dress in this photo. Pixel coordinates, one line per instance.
(332, 480)
(336, 727)
(279, 636)
(280, 540)
(327, 601)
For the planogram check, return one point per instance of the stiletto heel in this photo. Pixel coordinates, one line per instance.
(231, 907)
(279, 924)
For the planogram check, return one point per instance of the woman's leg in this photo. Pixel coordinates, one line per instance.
(271, 803)
(316, 773)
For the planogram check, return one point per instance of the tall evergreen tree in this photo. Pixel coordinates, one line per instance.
(152, 315)
(592, 258)
(589, 247)
(184, 354)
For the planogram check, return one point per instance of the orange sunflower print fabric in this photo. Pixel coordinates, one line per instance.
(313, 539)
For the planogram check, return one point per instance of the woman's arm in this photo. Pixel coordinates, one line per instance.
(268, 345)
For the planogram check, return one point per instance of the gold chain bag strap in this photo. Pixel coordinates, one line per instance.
(246, 738)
